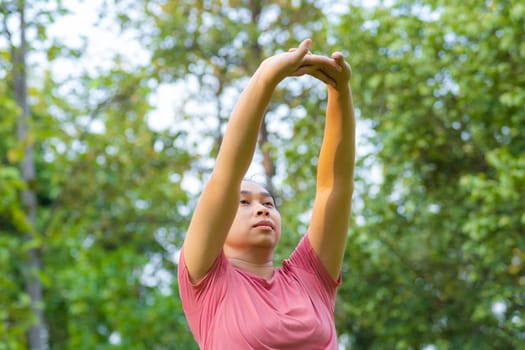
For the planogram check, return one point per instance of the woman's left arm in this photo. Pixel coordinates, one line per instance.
(335, 171)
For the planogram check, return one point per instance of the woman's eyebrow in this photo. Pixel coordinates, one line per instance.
(264, 194)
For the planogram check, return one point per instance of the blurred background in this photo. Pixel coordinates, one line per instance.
(111, 113)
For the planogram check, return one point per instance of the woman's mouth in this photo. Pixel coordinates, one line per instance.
(264, 225)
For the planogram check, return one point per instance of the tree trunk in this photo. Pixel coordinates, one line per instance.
(257, 53)
(38, 335)
(267, 161)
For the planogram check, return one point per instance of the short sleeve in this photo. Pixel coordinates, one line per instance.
(304, 257)
(200, 300)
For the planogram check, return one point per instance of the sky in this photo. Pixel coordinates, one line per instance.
(103, 43)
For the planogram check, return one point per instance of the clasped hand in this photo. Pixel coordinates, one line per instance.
(333, 71)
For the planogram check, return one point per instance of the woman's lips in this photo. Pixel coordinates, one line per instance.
(264, 225)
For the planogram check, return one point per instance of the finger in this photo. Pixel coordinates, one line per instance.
(340, 59)
(325, 72)
(302, 70)
(304, 46)
(338, 56)
(323, 61)
(322, 76)
(293, 49)
(316, 73)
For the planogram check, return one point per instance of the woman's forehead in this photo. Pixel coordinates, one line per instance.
(248, 187)
(252, 187)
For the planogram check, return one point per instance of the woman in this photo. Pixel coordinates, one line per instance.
(232, 295)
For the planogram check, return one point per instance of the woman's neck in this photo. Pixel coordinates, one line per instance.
(264, 270)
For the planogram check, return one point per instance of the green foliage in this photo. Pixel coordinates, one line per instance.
(117, 209)
(109, 205)
(15, 313)
(440, 239)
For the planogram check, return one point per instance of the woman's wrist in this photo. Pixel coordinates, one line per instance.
(340, 90)
(267, 74)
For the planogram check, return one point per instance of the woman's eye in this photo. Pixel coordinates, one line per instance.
(268, 204)
(244, 201)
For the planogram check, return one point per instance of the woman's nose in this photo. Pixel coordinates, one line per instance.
(261, 210)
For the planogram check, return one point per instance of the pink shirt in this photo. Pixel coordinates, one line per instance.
(234, 309)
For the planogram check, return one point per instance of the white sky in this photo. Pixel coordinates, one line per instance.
(104, 42)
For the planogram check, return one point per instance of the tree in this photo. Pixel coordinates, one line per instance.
(108, 206)
(435, 259)
(26, 209)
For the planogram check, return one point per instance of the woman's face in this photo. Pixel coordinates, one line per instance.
(257, 222)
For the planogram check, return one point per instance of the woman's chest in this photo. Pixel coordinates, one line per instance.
(283, 316)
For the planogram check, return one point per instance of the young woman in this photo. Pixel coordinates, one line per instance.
(232, 295)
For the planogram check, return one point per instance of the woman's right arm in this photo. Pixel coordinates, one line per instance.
(219, 200)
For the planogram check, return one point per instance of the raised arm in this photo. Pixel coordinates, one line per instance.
(335, 172)
(215, 211)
